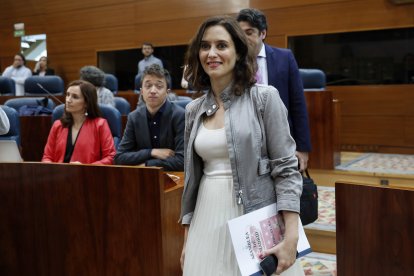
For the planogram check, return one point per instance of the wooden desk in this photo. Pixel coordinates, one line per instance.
(34, 132)
(374, 230)
(323, 124)
(60, 219)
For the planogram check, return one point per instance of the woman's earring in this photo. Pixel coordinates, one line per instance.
(86, 113)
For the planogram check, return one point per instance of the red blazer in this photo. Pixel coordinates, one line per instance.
(95, 144)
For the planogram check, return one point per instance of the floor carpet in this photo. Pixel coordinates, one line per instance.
(319, 264)
(381, 163)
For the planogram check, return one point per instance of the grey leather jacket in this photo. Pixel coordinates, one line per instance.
(261, 150)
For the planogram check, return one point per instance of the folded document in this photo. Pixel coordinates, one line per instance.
(257, 231)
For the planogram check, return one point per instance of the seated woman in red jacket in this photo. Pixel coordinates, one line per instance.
(81, 135)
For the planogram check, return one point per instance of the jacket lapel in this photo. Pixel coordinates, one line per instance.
(166, 119)
(142, 131)
(271, 61)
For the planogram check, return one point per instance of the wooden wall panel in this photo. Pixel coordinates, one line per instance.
(339, 17)
(376, 117)
(271, 4)
(390, 100)
(87, 26)
(277, 41)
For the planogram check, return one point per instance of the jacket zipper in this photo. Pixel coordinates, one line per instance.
(240, 192)
(240, 199)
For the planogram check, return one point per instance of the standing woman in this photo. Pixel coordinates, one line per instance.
(81, 135)
(237, 158)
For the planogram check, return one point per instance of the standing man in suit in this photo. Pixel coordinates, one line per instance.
(154, 134)
(277, 67)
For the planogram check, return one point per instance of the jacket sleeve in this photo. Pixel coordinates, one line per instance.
(7, 72)
(176, 162)
(49, 154)
(4, 122)
(107, 144)
(297, 107)
(127, 153)
(281, 151)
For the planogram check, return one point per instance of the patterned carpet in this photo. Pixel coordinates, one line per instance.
(381, 163)
(318, 264)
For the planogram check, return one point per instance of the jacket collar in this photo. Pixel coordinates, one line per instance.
(210, 105)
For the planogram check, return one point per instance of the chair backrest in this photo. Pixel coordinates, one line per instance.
(185, 98)
(111, 82)
(53, 84)
(19, 102)
(122, 105)
(183, 103)
(137, 83)
(14, 131)
(313, 79)
(7, 87)
(111, 114)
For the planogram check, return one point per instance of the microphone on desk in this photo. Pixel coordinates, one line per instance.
(49, 93)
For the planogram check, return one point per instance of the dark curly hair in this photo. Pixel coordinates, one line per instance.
(254, 17)
(245, 67)
(88, 91)
(158, 71)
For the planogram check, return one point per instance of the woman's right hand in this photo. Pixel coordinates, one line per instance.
(182, 258)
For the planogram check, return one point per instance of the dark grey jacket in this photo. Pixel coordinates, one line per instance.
(261, 150)
(133, 149)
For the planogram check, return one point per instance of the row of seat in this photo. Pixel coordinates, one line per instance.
(36, 85)
(111, 114)
(121, 104)
(311, 78)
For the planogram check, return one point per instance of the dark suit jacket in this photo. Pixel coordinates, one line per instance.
(136, 142)
(283, 73)
(49, 72)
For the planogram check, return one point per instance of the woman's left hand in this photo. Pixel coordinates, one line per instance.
(285, 252)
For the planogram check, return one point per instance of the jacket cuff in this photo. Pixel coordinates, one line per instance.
(187, 218)
(288, 203)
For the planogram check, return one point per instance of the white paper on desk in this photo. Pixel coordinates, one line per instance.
(257, 231)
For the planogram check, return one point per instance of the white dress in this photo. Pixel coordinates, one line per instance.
(209, 250)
